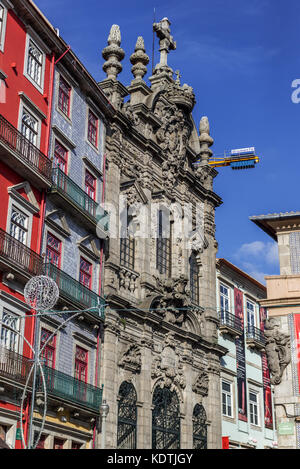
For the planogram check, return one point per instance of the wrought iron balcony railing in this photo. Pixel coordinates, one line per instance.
(64, 386)
(16, 253)
(256, 335)
(74, 291)
(14, 366)
(31, 156)
(230, 320)
(79, 198)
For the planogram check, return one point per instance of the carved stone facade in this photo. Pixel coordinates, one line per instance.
(169, 336)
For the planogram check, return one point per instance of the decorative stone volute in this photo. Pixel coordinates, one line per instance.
(139, 59)
(205, 140)
(113, 53)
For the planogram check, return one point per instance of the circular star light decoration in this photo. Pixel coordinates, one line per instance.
(41, 293)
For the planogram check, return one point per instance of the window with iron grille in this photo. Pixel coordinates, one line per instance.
(18, 225)
(127, 416)
(226, 399)
(127, 243)
(30, 127)
(53, 250)
(10, 329)
(34, 63)
(163, 244)
(253, 406)
(165, 419)
(194, 279)
(60, 157)
(64, 96)
(199, 427)
(92, 129)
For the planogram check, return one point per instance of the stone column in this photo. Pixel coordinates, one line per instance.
(110, 377)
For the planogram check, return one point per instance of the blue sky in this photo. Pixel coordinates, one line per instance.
(241, 58)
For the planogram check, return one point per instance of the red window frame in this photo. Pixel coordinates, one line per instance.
(58, 443)
(90, 184)
(81, 363)
(41, 443)
(64, 96)
(53, 250)
(49, 352)
(93, 128)
(76, 445)
(85, 272)
(60, 157)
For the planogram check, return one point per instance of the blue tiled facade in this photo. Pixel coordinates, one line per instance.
(76, 240)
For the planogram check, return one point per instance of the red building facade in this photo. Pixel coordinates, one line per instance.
(26, 64)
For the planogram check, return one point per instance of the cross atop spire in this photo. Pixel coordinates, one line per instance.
(166, 41)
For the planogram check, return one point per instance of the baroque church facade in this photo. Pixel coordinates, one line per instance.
(160, 359)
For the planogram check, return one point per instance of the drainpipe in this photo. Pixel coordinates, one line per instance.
(100, 290)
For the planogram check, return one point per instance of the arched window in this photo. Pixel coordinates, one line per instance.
(199, 427)
(194, 279)
(127, 416)
(165, 419)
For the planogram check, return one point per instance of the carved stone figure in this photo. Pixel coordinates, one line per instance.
(277, 350)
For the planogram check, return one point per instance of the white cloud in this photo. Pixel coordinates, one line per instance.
(262, 252)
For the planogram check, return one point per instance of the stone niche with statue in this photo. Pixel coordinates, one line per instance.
(161, 324)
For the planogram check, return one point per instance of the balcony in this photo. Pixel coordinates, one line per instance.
(74, 293)
(14, 367)
(64, 387)
(23, 157)
(255, 338)
(18, 259)
(68, 195)
(230, 324)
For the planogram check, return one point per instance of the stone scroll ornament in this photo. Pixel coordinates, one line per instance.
(131, 359)
(278, 350)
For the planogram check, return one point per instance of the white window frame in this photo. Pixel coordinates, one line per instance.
(39, 46)
(10, 330)
(16, 202)
(228, 394)
(25, 108)
(10, 308)
(222, 284)
(252, 313)
(5, 5)
(257, 406)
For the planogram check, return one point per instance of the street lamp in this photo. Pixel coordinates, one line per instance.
(104, 409)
